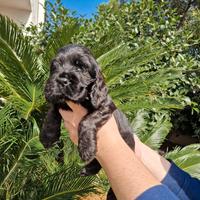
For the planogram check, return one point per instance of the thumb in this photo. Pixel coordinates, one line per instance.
(77, 108)
(72, 105)
(65, 114)
(72, 132)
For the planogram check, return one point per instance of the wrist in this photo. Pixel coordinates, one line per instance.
(108, 137)
(106, 144)
(138, 147)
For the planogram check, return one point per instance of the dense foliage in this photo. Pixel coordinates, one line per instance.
(149, 54)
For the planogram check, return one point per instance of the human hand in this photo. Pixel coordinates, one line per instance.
(72, 119)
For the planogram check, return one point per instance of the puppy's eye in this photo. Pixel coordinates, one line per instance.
(76, 62)
(79, 65)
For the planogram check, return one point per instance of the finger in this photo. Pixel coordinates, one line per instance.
(68, 117)
(66, 114)
(74, 139)
(72, 105)
(69, 127)
(72, 132)
(77, 108)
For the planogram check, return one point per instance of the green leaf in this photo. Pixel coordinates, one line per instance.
(152, 130)
(13, 154)
(118, 61)
(187, 158)
(21, 70)
(67, 183)
(62, 37)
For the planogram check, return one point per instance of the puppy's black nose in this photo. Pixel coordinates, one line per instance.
(63, 79)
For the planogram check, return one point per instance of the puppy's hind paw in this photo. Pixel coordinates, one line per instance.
(91, 169)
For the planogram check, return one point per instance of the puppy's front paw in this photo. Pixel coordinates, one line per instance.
(48, 139)
(87, 149)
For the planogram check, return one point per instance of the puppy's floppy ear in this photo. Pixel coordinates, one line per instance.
(99, 91)
(50, 132)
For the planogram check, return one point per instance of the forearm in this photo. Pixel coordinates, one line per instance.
(127, 175)
(155, 163)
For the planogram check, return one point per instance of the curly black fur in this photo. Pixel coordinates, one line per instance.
(75, 76)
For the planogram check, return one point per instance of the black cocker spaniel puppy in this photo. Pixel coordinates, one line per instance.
(76, 76)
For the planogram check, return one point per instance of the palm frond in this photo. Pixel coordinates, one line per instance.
(16, 48)
(114, 55)
(6, 120)
(120, 60)
(67, 184)
(21, 71)
(5, 89)
(25, 107)
(14, 150)
(187, 158)
(152, 129)
(60, 38)
(133, 85)
(145, 103)
(148, 90)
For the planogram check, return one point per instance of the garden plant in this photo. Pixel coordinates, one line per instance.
(149, 53)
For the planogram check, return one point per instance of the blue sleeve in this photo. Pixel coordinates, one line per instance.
(182, 184)
(160, 192)
(176, 185)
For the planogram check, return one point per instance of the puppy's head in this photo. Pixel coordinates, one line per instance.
(73, 72)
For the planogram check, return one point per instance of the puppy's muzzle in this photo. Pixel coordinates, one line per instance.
(63, 79)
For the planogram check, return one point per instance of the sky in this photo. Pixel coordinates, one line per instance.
(83, 7)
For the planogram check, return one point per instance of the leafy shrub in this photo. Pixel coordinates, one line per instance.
(149, 55)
